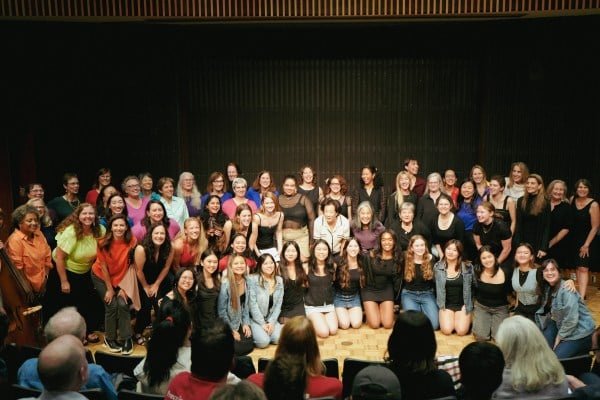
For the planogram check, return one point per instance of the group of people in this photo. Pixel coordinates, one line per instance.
(255, 257)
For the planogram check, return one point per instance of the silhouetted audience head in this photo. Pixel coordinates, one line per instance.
(481, 365)
(376, 382)
(285, 378)
(212, 351)
(243, 390)
(411, 345)
(62, 365)
(298, 337)
(66, 321)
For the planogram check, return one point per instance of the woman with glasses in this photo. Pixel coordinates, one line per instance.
(136, 205)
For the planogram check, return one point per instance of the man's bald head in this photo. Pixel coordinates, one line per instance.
(62, 364)
(65, 322)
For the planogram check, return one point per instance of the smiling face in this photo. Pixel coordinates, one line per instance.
(307, 175)
(365, 215)
(407, 215)
(187, 182)
(118, 227)
(290, 254)
(108, 191)
(289, 187)
(412, 167)
(404, 183)
(268, 267)
(386, 240)
(147, 183)
(582, 190)
(36, 192)
(495, 187)
(265, 180)
(87, 216)
(30, 224)
(167, 190)
(551, 274)
(484, 216)
(239, 244)
(517, 174)
(450, 177)
(232, 172)
(186, 281)
(353, 248)
(239, 265)
(330, 213)
(218, 184)
(558, 192)
(159, 235)
(40, 206)
(72, 186)
(443, 205)
(210, 264)
(214, 205)
(523, 255)
(451, 252)
(116, 205)
(487, 259)
(467, 190)
(246, 218)
(321, 251)
(104, 180)
(335, 186)
(132, 187)
(477, 175)
(192, 229)
(155, 212)
(268, 204)
(532, 186)
(418, 247)
(367, 176)
(239, 190)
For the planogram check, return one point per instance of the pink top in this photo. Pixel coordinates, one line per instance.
(229, 207)
(137, 214)
(139, 231)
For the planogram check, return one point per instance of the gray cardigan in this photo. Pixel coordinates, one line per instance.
(439, 271)
(259, 301)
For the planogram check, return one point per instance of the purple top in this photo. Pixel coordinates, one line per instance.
(139, 230)
(368, 239)
(137, 214)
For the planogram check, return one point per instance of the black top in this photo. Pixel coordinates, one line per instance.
(313, 196)
(418, 228)
(533, 229)
(354, 283)
(456, 230)
(266, 235)
(392, 212)
(377, 200)
(320, 290)
(418, 284)
(491, 294)
(454, 291)
(561, 217)
(206, 305)
(293, 294)
(432, 385)
(493, 234)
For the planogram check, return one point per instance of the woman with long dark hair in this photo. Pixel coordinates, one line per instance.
(295, 282)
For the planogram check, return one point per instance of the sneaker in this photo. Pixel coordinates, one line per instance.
(112, 345)
(127, 347)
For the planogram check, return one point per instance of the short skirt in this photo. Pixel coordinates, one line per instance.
(341, 300)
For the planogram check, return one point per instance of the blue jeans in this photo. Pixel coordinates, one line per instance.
(424, 302)
(566, 348)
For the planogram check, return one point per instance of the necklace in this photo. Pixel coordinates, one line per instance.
(73, 204)
(489, 227)
(240, 282)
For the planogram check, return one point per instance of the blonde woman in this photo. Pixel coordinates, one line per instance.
(402, 194)
(515, 181)
(189, 192)
(46, 226)
(532, 369)
(189, 244)
(533, 217)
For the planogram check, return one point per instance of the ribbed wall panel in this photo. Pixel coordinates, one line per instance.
(277, 9)
(334, 114)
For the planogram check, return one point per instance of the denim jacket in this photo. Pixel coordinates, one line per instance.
(572, 317)
(439, 270)
(234, 318)
(259, 301)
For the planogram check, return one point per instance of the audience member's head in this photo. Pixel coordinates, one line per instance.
(533, 365)
(285, 378)
(66, 321)
(411, 345)
(376, 382)
(298, 337)
(243, 390)
(62, 365)
(481, 365)
(212, 351)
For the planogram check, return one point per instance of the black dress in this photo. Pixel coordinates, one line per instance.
(561, 217)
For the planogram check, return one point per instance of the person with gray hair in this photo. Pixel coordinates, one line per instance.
(67, 321)
(63, 368)
(240, 188)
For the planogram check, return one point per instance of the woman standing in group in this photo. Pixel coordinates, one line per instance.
(217, 225)
(453, 282)
(309, 188)
(189, 244)
(383, 281)
(262, 184)
(401, 195)
(28, 249)
(564, 319)
(155, 213)
(349, 280)
(243, 223)
(491, 295)
(152, 258)
(337, 189)
(331, 226)
(427, 210)
(533, 217)
(136, 205)
(478, 176)
(102, 200)
(233, 304)
(103, 177)
(46, 226)
(216, 186)
(184, 291)
(232, 170)
(147, 186)
(239, 247)
(504, 205)
(468, 200)
(295, 282)
(65, 205)
(365, 227)
(445, 227)
(561, 222)
(209, 285)
(419, 284)
(370, 188)
(240, 187)
(298, 216)
(586, 222)
(492, 231)
(269, 223)
(188, 191)
(515, 182)
(74, 255)
(175, 207)
(116, 284)
(449, 186)
(318, 299)
(265, 288)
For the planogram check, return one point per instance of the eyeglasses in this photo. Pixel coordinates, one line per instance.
(133, 186)
(73, 183)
